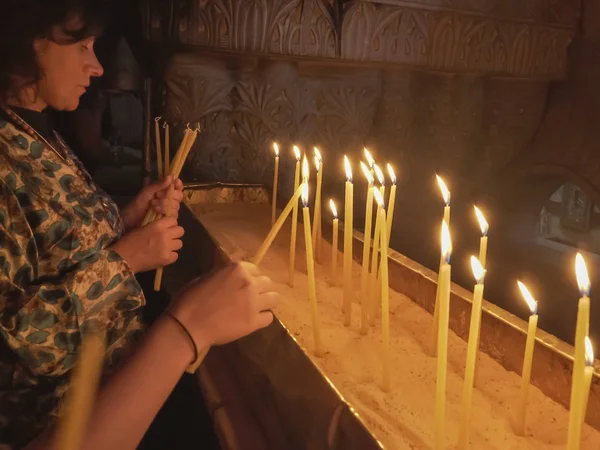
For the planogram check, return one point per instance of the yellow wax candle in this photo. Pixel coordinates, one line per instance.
(334, 243)
(521, 422)
(465, 417)
(385, 294)
(159, 161)
(442, 358)
(372, 288)
(348, 227)
(364, 277)
(316, 229)
(391, 202)
(588, 374)
(310, 270)
(582, 330)
(435, 326)
(275, 181)
(292, 264)
(483, 224)
(166, 168)
(276, 227)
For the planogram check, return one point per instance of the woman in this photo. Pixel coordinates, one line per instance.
(68, 258)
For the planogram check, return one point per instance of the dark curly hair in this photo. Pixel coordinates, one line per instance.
(24, 21)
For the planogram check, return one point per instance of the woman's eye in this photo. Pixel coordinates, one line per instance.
(85, 48)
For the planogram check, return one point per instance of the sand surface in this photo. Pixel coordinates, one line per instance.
(403, 418)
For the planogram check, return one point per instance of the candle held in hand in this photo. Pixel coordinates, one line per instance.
(435, 326)
(334, 243)
(364, 277)
(581, 331)
(348, 227)
(521, 422)
(472, 346)
(159, 160)
(442, 347)
(275, 181)
(292, 264)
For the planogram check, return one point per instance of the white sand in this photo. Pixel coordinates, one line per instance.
(404, 417)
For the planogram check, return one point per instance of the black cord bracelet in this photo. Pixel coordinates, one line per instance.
(189, 335)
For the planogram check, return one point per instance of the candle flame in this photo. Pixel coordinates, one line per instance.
(379, 174)
(446, 241)
(378, 198)
(483, 224)
(367, 173)
(348, 168)
(370, 160)
(305, 170)
(297, 152)
(391, 173)
(533, 306)
(589, 352)
(478, 270)
(305, 193)
(583, 279)
(444, 189)
(318, 159)
(276, 148)
(333, 208)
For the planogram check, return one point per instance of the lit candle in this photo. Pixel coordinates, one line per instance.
(159, 160)
(292, 265)
(366, 249)
(582, 330)
(310, 264)
(166, 169)
(348, 219)
(373, 291)
(391, 201)
(385, 293)
(483, 224)
(479, 274)
(375, 294)
(381, 179)
(370, 161)
(316, 229)
(442, 347)
(275, 180)
(588, 374)
(435, 326)
(521, 423)
(334, 243)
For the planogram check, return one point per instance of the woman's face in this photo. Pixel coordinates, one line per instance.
(66, 72)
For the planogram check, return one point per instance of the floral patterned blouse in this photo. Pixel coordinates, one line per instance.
(57, 277)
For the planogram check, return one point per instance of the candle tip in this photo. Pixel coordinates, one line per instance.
(533, 306)
(378, 198)
(348, 168)
(367, 173)
(483, 223)
(305, 170)
(276, 148)
(370, 160)
(478, 270)
(446, 242)
(297, 152)
(583, 279)
(391, 173)
(379, 174)
(444, 189)
(333, 208)
(589, 352)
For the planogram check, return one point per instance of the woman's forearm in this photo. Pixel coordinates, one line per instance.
(128, 402)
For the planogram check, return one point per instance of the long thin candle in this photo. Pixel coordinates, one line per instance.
(334, 243)
(166, 169)
(260, 254)
(467, 396)
(588, 373)
(159, 161)
(316, 228)
(275, 181)
(385, 295)
(483, 224)
(391, 202)
(376, 294)
(292, 264)
(372, 288)
(582, 330)
(442, 358)
(364, 276)
(521, 423)
(435, 326)
(348, 229)
(310, 269)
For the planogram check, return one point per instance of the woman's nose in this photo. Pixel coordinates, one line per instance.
(94, 67)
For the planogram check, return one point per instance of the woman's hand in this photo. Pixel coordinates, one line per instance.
(154, 196)
(150, 247)
(227, 305)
